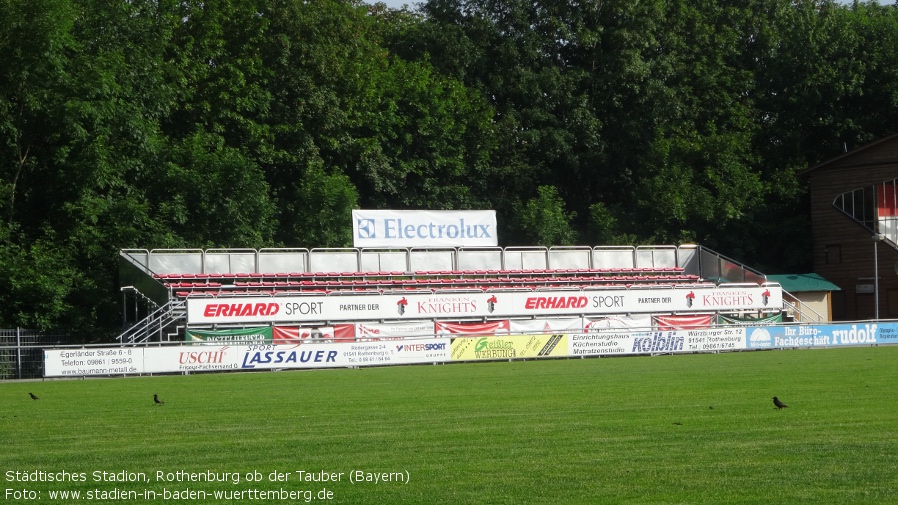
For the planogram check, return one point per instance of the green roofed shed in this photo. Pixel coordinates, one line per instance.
(810, 293)
(797, 283)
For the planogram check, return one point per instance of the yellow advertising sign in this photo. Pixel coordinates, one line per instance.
(508, 347)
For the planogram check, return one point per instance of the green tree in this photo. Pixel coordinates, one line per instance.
(87, 114)
(323, 208)
(522, 57)
(34, 41)
(544, 221)
(215, 197)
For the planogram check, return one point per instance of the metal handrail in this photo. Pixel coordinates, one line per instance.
(157, 321)
(803, 313)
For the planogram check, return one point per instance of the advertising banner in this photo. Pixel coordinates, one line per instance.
(774, 319)
(490, 305)
(196, 358)
(295, 334)
(557, 325)
(618, 322)
(259, 335)
(608, 342)
(93, 361)
(394, 331)
(714, 339)
(488, 328)
(680, 322)
(424, 228)
(221, 358)
(207, 357)
(508, 347)
(828, 335)
(269, 334)
(305, 355)
(600, 343)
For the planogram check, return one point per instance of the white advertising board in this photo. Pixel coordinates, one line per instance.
(293, 309)
(93, 361)
(222, 358)
(424, 228)
(393, 331)
(645, 342)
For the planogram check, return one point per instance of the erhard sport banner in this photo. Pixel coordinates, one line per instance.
(424, 228)
(490, 305)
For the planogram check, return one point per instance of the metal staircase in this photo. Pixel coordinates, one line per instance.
(163, 322)
(798, 312)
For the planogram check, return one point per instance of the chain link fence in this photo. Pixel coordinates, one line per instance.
(21, 352)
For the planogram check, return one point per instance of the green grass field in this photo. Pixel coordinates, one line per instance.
(685, 429)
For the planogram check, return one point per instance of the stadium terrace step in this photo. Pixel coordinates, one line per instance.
(262, 284)
(277, 283)
(514, 274)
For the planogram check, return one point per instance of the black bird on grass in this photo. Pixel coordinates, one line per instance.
(33, 397)
(157, 401)
(778, 403)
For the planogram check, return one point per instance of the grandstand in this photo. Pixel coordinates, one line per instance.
(167, 293)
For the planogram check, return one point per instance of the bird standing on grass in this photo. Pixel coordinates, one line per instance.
(157, 401)
(33, 397)
(778, 403)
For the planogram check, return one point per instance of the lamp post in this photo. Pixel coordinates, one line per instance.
(877, 238)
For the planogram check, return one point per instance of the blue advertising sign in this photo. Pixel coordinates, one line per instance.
(867, 333)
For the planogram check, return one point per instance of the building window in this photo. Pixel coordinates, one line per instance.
(893, 302)
(833, 254)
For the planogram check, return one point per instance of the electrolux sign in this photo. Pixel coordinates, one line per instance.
(417, 228)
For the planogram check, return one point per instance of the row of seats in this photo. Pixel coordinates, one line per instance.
(421, 274)
(267, 291)
(440, 283)
(184, 288)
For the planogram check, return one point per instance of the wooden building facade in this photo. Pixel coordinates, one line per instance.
(847, 244)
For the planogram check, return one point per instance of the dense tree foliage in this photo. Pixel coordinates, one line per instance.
(263, 123)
